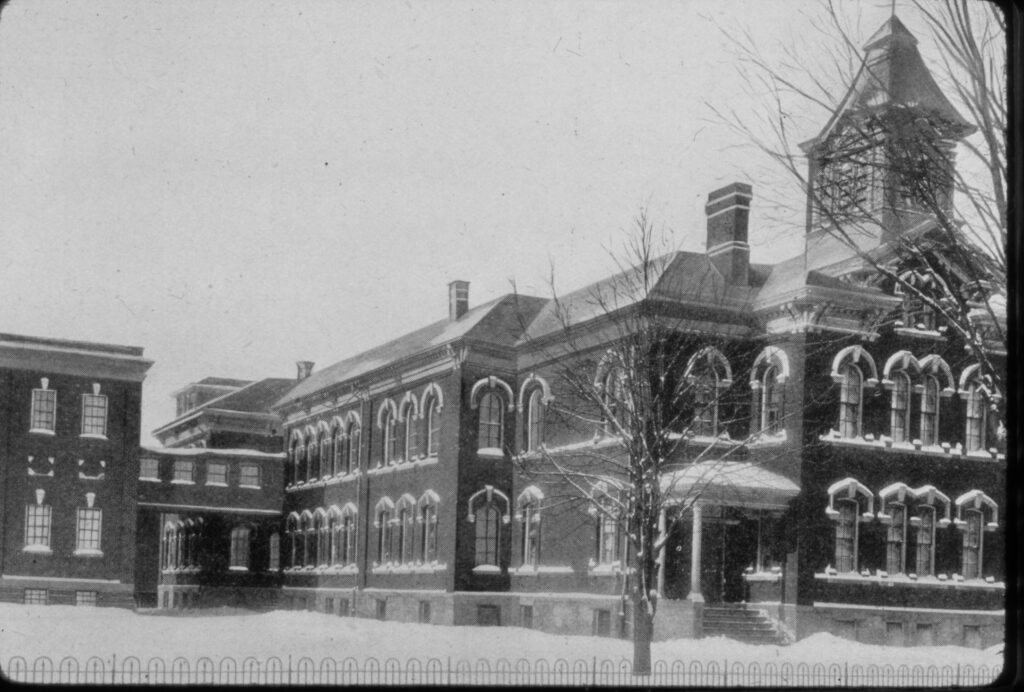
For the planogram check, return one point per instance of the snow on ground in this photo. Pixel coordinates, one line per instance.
(57, 631)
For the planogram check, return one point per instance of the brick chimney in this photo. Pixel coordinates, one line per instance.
(305, 369)
(458, 299)
(728, 211)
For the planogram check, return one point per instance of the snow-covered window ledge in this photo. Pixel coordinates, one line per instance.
(37, 549)
(178, 481)
(218, 485)
(238, 568)
(490, 453)
(42, 431)
(93, 436)
(537, 570)
(768, 439)
(149, 480)
(486, 569)
(605, 569)
(88, 552)
(941, 581)
(885, 443)
(763, 576)
(428, 461)
(932, 334)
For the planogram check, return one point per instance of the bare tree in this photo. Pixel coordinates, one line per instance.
(644, 393)
(882, 178)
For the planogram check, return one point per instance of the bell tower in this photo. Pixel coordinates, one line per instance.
(884, 162)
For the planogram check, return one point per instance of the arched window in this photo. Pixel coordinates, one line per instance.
(318, 539)
(491, 422)
(326, 452)
(383, 522)
(338, 448)
(535, 420)
(433, 425)
(293, 527)
(427, 520)
(613, 392)
(347, 547)
(896, 539)
(704, 383)
(300, 459)
(771, 401)
(239, 558)
(850, 394)
(900, 407)
(389, 443)
(972, 544)
(972, 508)
(404, 533)
(312, 456)
(846, 536)
(930, 411)
(849, 503)
(334, 537)
(411, 436)
(925, 539)
(975, 429)
(352, 447)
(528, 516)
(609, 539)
(274, 552)
(487, 520)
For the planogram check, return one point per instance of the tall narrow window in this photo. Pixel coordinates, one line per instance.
(975, 437)
(384, 526)
(44, 410)
(88, 531)
(300, 462)
(410, 434)
(239, 558)
(771, 401)
(94, 414)
(487, 522)
(405, 542)
(930, 411)
(352, 435)
(608, 539)
(326, 452)
(846, 536)
(972, 545)
(900, 406)
(428, 532)
(348, 544)
(312, 457)
(491, 421)
(274, 552)
(37, 527)
(338, 449)
(433, 426)
(534, 421)
(705, 397)
(389, 445)
(925, 541)
(294, 530)
(323, 539)
(850, 400)
(896, 539)
(529, 516)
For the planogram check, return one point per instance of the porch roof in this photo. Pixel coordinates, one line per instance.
(733, 483)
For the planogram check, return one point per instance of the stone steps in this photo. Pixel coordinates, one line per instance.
(737, 621)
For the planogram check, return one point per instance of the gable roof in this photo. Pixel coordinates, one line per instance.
(893, 74)
(497, 322)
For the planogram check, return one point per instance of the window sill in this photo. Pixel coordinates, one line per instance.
(487, 569)
(931, 334)
(37, 549)
(608, 569)
(180, 482)
(42, 431)
(768, 439)
(490, 453)
(216, 485)
(238, 569)
(762, 576)
(93, 436)
(88, 552)
(246, 486)
(148, 479)
(537, 570)
(943, 449)
(902, 580)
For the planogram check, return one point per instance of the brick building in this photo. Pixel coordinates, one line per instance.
(70, 445)
(845, 472)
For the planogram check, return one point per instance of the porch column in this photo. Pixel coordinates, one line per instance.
(695, 594)
(661, 552)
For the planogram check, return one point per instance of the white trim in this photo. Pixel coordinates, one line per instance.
(491, 382)
(546, 396)
(856, 353)
(852, 487)
(726, 246)
(386, 404)
(434, 388)
(408, 400)
(745, 207)
(774, 355)
(713, 355)
(27, 577)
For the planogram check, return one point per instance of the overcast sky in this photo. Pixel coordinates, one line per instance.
(237, 185)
